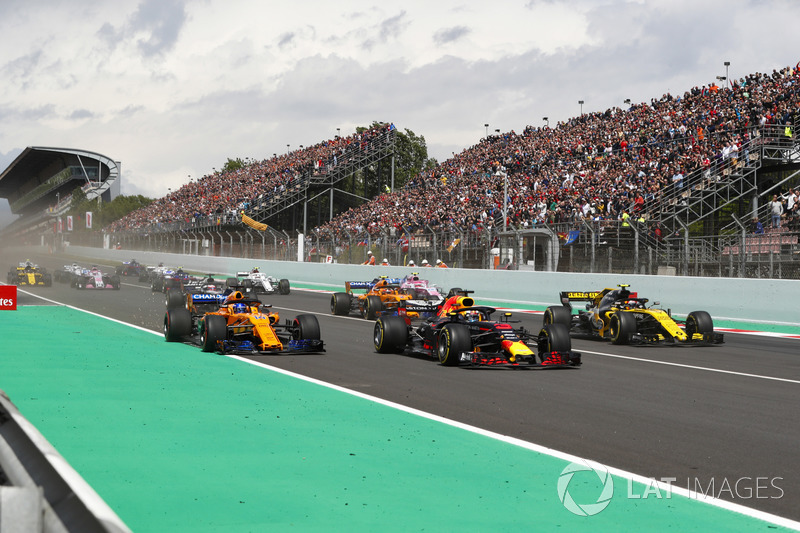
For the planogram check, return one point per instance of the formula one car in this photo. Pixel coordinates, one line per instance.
(68, 273)
(381, 294)
(426, 298)
(93, 278)
(623, 317)
(29, 274)
(133, 268)
(242, 325)
(166, 278)
(463, 333)
(263, 283)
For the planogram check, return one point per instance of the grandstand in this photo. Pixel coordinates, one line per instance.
(669, 186)
(40, 182)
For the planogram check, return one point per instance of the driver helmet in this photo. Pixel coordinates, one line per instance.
(255, 270)
(239, 308)
(472, 316)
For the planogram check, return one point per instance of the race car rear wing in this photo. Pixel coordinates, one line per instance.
(567, 297)
(207, 298)
(367, 285)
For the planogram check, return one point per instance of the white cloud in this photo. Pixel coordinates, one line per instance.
(174, 88)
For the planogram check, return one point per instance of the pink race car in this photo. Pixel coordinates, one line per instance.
(93, 278)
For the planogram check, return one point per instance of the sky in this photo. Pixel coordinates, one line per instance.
(173, 88)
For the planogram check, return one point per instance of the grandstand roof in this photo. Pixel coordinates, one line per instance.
(38, 164)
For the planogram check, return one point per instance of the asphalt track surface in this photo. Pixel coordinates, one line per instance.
(703, 416)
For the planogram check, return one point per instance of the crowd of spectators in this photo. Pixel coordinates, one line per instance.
(222, 195)
(599, 166)
(608, 165)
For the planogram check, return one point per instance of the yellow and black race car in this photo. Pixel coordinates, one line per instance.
(29, 274)
(620, 315)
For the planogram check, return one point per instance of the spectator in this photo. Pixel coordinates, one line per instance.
(758, 228)
(776, 210)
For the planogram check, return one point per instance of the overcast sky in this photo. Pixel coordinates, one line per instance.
(173, 88)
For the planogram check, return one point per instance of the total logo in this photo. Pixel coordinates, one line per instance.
(8, 297)
(584, 469)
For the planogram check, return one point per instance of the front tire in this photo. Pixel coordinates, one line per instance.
(175, 299)
(553, 338)
(306, 327)
(622, 328)
(454, 339)
(698, 322)
(390, 334)
(284, 287)
(177, 324)
(215, 328)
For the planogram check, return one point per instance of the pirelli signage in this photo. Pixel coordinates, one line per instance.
(8, 297)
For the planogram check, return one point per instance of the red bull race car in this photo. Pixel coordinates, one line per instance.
(463, 333)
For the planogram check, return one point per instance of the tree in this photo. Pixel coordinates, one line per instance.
(233, 164)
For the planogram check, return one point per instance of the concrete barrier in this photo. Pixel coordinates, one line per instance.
(749, 300)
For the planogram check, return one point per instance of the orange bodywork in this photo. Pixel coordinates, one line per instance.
(253, 320)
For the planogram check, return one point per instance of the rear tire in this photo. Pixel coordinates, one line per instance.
(454, 339)
(231, 282)
(306, 328)
(698, 322)
(558, 314)
(372, 307)
(622, 328)
(177, 324)
(390, 334)
(116, 283)
(340, 303)
(215, 328)
(554, 338)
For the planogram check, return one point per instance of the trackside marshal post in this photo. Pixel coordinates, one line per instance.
(8, 297)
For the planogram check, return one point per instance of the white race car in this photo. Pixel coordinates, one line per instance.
(262, 283)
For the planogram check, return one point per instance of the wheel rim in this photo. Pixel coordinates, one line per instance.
(377, 334)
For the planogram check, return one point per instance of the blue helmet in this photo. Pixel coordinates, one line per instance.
(239, 308)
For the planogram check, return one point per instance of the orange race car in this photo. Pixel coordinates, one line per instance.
(241, 325)
(381, 294)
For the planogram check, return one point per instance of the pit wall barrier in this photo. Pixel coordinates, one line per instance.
(771, 301)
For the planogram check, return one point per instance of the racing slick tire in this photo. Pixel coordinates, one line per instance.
(156, 285)
(231, 282)
(48, 280)
(175, 299)
(558, 314)
(340, 303)
(553, 338)
(115, 282)
(80, 283)
(169, 284)
(215, 328)
(698, 322)
(306, 327)
(390, 334)
(143, 277)
(248, 284)
(177, 324)
(454, 339)
(622, 327)
(372, 307)
(455, 291)
(283, 286)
